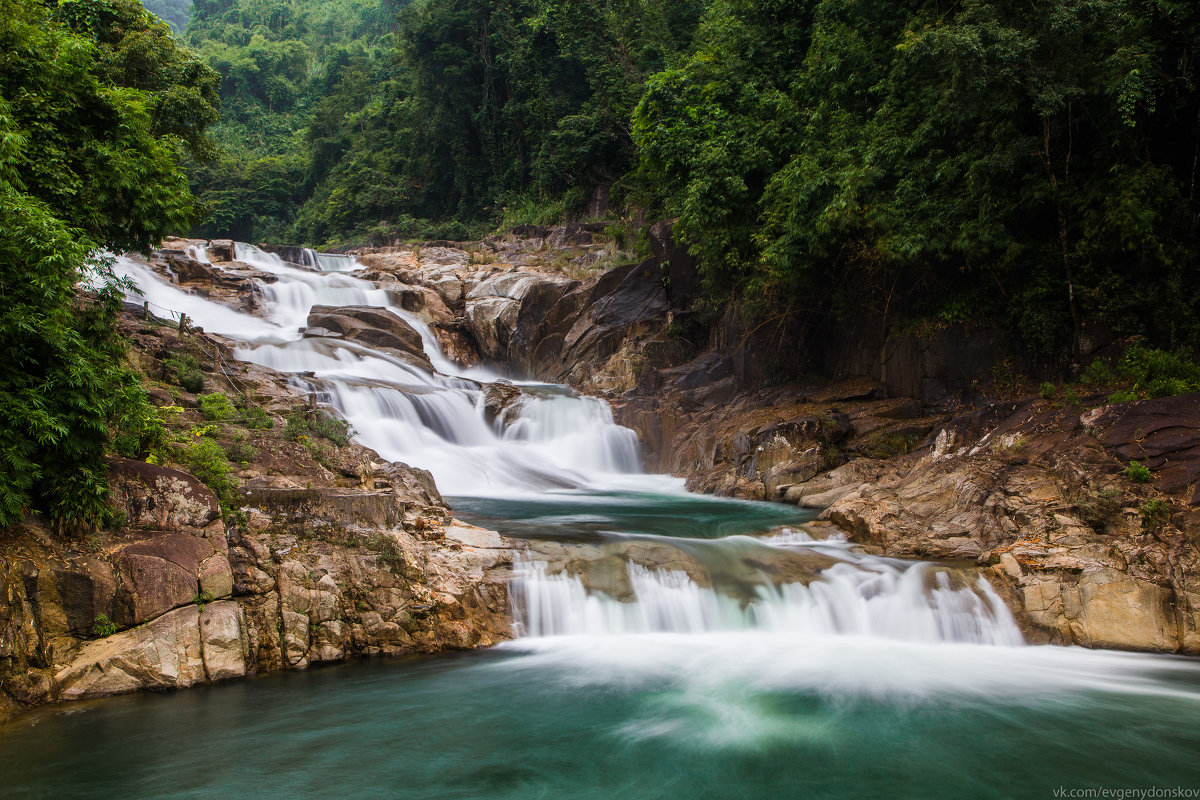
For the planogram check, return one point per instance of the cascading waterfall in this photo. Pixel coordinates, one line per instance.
(552, 440)
(916, 604)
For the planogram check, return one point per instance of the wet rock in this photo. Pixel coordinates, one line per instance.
(498, 398)
(376, 327)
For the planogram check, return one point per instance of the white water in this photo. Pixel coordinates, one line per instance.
(555, 440)
(871, 599)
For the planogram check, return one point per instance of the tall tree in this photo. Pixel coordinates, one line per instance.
(97, 106)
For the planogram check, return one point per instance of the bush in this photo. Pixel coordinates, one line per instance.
(1147, 372)
(184, 370)
(217, 407)
(1137, 472)
(1098, 507)
(241, 452)
(1048, 390)
(256, 418)
(887, 445)
(103, 626)
(322, 424)
(1155, 514)
(208, 461)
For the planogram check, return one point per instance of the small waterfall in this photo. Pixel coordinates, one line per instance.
(876, 600)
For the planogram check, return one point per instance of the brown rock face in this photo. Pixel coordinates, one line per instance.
(161, 498)
(376, 327)
(1163, 434)
(1037, 497)
(318, 575)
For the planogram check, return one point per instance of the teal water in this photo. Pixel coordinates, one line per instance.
(506, 724)
(585, 515)
(768, 711)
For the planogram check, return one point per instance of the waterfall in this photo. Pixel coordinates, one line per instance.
(915, 603)
(551, 441)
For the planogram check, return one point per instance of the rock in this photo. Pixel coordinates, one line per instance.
(163, 654)
(295, 637)
(1163, 434)
(498, 398)
(223, 641)
(158, 574)
(161, 498)
(678, 265)
(220, 250)
(216, 577)
(376, 327)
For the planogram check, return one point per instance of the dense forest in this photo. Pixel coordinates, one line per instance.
(1034, 163)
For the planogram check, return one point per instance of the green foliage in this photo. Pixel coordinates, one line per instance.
(889, 445)
(881, 157)
(207, 460)
(184, 369)
(241, 452)
(1048, 390)
(1137, 472)
(257, 418)
(1157, 373)
(202, 599)
(1143, 372)
(389, 555)
(1155, 515)
(320, 423)
(217, 407)
(103, 626)
(96, 105)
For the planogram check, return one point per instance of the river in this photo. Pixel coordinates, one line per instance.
(708, 648)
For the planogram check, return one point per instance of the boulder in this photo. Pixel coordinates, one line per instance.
(164, 654)
(372, 326)
(224, 644)
(158, 574)
(160, 498)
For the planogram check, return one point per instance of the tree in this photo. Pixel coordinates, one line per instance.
(97, 106)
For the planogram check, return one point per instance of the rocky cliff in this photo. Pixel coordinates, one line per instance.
(332, 553)
(1035, 494)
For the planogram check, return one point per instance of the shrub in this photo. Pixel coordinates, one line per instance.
(322, 424)
(1147, 372)
(1137, 472)
(1098, 507)
(217, 407)
(184, 370)
(202, 599)
(256, 418)
(241, 452)
(1122, 396)
(1098, 373)
(103, 626)
(1048, 390)
(208, 462)
(887, 445)
(1155, 514)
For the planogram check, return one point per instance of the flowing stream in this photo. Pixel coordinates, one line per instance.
(697, 648)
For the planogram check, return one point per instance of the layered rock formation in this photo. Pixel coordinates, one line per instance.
(333, 554)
